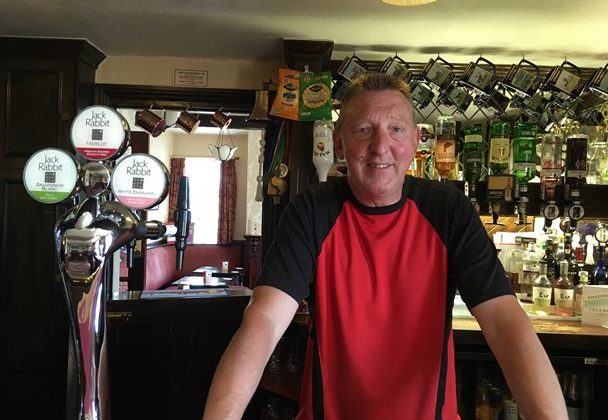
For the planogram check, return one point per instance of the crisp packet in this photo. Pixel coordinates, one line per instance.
(315, 96)
(286, 103)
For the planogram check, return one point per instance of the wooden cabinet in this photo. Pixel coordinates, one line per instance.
(163, 353)
(43, 84)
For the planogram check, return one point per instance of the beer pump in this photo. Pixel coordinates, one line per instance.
(89, 233)
(575, 176)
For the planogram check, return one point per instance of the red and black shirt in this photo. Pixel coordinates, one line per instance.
(381, 282)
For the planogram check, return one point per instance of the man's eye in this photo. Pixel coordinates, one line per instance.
(362, 130)
(398, 129)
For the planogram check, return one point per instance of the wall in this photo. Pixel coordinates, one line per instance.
(159, 71)
(254, 208)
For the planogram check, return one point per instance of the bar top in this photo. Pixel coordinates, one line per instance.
(541, 327)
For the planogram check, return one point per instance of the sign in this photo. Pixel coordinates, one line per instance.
(99, 133)
(140, 181)
(50, 176)
(192, 78)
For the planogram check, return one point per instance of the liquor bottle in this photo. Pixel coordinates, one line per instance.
(510, 409)
(530, 271)
(576, 161)
(589, 264)
(323, 148)
(600, 274)
(426, 144)
(578, 293)
(445, 146)
(524, 152)
(573, 268)
(572, 397)
(564, 291)
(472, 157)
(500, 148)
(549, 259)
(495, 398)
(482, 403)
(598, 163)
(542, 290)
(551, 165)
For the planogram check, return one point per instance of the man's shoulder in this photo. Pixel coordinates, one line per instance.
(323, 192)
(428, 189)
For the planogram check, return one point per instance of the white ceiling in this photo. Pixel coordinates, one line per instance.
(545, 31)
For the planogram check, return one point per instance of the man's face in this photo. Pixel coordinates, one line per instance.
(378, 140)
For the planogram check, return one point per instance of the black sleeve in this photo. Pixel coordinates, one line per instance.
(473, 263)
(290, 262)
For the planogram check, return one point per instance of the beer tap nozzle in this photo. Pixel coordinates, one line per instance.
(182, 216)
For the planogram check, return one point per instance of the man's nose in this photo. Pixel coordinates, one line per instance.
(380, 141)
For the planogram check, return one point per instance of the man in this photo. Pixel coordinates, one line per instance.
(383, 255)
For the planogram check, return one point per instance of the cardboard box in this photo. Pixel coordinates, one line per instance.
(595, 305)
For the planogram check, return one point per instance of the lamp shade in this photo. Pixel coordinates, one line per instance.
(223, 152)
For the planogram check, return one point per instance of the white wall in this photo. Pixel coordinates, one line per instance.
(254, 208)
(159, 71)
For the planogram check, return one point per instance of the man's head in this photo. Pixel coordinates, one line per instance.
(376, 134)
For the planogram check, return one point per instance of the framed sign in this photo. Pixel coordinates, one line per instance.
(191, 78)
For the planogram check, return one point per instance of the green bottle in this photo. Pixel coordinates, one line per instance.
(524, 152)
(500, 148)
(472, 154)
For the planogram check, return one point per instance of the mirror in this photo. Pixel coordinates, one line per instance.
(128, 99)
(204, 173)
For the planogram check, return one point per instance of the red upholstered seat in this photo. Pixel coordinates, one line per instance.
(160, 268)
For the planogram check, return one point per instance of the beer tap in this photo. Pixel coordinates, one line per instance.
(88, 234)
(182, 216)
(575, 176)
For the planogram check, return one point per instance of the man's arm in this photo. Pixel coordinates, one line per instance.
(523, 360)
(241, 367)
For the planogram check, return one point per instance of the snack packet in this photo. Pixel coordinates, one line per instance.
(286, 103)
(315, 96)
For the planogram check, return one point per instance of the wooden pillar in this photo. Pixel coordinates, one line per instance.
(298, 54)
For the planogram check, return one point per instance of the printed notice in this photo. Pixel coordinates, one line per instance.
(192, 78)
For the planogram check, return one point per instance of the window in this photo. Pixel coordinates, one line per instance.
(204, 177)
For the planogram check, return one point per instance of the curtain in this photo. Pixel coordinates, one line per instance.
(177, 170)
(227, 209)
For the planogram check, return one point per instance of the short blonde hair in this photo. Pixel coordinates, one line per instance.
(374, 82)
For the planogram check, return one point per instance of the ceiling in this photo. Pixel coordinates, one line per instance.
(545, 31)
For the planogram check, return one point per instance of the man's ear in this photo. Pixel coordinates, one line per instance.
(338, 147)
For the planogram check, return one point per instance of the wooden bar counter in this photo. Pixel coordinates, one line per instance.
(564, 337)
(572, 348)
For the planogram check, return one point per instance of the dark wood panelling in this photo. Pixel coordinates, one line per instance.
(33, 317)
(39, 107)
(41, 83)
(31, 95)
(163, 353)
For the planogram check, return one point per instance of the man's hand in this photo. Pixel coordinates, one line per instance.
(522, 358)
(240, 369)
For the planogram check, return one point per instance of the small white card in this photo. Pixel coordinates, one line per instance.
(191, 78)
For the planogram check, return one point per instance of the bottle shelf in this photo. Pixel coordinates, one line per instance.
(592, 199)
